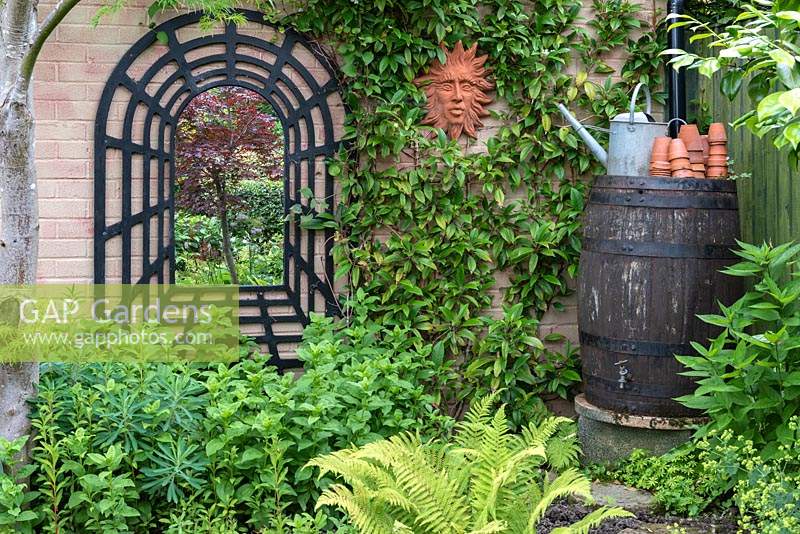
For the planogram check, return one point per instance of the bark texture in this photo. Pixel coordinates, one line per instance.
(19, 226)
(18, 250)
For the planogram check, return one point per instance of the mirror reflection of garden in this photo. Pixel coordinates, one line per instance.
(229, 207)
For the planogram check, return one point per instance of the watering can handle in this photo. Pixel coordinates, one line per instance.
(647, 98)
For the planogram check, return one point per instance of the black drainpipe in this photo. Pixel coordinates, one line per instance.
(676, 80)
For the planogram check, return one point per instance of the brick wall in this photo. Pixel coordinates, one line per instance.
(69, 78)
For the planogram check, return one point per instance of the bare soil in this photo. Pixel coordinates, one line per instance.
(564, 513)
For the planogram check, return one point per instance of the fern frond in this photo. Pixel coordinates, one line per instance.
(383, 451)
(478, 416)
(489, 481)
(495, 446)
(480, 412)
(563, 451)
(539, 434)
(506, 472)
(350, 467)
(458, 465)
(592, 520)
(570, 482)
(438, 499)
(330, 463)
(393, 497)
(365, 515)
(560, 440)
(402, 528)
(491, 528)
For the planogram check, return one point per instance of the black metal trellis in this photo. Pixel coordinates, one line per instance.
(302, 283)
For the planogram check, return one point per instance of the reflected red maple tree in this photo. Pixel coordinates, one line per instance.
(225, 135)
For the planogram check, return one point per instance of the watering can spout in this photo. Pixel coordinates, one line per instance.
(599, 152)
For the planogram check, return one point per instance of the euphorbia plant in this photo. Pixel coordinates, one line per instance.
(25, 27)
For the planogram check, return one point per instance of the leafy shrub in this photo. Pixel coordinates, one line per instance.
(507, 357)
(103, 498)
(510, 358)
(14, 497)
(257, 250)
(683, 481)
(749, 376)
(558, 372)
(357, 387)
(717, 13)
(262, 200)
(719, 470)
(261, 264)
(768, 497)
(170, 446)
(196, 236)
(766, 491)
(486, 480)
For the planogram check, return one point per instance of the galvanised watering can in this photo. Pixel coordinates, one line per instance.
(630, 139)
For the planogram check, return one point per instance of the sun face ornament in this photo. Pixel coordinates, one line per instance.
(456, 91)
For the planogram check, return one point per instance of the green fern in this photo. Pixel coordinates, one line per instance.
(471, 429)
(591, 521)
(558, 435)
(487, 481)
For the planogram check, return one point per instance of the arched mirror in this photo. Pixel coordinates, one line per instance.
(159, 204)
(229, 191)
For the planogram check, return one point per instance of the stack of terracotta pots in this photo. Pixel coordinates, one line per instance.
(691, 155)
(704, 141)
(690, 136)
(659, 157)
(717, 151)
(679, 160)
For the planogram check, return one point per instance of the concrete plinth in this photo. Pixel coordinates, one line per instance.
(608, 436)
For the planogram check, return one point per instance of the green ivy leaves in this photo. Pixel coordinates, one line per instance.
(425, 227)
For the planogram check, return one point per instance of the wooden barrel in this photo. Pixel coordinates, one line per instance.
(652, 252)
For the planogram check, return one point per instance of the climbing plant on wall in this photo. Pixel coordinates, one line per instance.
(424, 226)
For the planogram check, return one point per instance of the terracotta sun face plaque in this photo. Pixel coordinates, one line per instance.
(456, 91)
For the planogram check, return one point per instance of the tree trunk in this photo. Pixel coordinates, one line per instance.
(227, 249)
(19, 220)
(19, 229)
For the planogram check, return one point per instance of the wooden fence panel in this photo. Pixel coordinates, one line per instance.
(769, 200)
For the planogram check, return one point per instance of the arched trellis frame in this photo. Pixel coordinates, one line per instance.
(134, 170)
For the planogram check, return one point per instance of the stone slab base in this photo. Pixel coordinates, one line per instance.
(607, 436)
